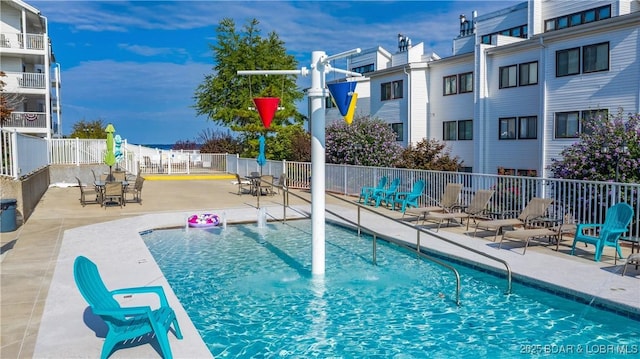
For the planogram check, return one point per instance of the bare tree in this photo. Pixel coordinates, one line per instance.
(8, 101)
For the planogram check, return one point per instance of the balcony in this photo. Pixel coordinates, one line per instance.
(15, 81)
(16, 41)
(31, 120)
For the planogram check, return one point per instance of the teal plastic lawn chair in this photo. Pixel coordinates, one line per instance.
(403, 200)
(616, 221)
(124, 323)
(387, 194)
(366, 193)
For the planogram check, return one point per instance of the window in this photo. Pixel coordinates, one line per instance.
(575, 19)
(568, 62)
(449, 131)
(579, 18)
(528, 127)
(398, 129)
(450, 85)
(507, 127)
(563, 22)
(604, 12)
(591, 114)
(518, 31)
(363, 69)
(397, 89)
(466, 82)
(385, 91)
(550, 25)
(391, 90)
(508, 76)
(529, 73)
(328, 102)
(590, 16)
(528, 173)
(465, 130)
(566, 125)
(595, 58)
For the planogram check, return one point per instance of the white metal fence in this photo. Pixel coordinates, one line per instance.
(21, 155)
(582, 201)
(579, 201)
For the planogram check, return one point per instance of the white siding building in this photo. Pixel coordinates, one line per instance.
(512, 95)
(32, 78)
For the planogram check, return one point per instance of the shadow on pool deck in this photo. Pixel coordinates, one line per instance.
(38, 293)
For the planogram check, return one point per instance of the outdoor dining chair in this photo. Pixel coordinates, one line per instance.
(113, 193)
(136, 191)
(85, 195)
(243, 185)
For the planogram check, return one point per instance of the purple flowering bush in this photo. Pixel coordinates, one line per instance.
(605, 143)
(365, 142)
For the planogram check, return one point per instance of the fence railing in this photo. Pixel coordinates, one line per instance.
(21, 155)
(579, 201)
(27, 120)
(575, 201)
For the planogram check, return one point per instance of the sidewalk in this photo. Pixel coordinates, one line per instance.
(39, 262)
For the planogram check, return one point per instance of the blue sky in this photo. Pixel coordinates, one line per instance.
(136, 64)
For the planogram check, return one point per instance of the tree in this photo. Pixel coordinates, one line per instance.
(88, 129)
(185, 145)
(225, 97)
(218, 142)
(605, 147)
(365, 142)
(428, 155)
(292, 143)
(8, 101)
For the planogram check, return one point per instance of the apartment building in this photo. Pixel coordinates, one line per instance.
(32, 76)
(517, 86)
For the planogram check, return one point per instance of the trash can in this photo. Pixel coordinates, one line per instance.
(8, 215)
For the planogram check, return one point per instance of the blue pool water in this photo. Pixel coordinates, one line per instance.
(250, 293)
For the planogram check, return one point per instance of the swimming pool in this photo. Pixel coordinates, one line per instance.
(250, 293)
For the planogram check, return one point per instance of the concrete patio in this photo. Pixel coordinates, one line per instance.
(43, 314)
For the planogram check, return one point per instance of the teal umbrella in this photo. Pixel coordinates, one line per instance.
(110, 155)
(262, 159)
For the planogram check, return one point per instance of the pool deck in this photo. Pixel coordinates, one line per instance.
(44, 316)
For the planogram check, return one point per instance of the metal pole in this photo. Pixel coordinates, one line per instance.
(316, 96)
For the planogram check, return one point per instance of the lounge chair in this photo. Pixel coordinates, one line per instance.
(474, 210)
(535, 209)
(408, 199)
(616, 221)
(125, 323)
(447, 202)
(385, 195)
(366, 192)
(528, 234)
